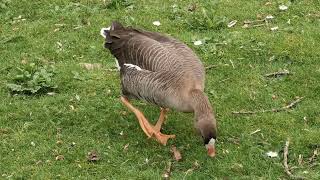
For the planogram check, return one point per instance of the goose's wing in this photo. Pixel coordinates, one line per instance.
(172, 43)
(154, 87)
(149, 50)
(131, 46)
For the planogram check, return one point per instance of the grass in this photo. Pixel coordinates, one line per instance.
(85, 114)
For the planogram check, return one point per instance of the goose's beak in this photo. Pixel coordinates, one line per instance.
(211, 148)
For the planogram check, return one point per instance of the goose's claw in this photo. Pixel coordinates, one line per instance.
(148, 129)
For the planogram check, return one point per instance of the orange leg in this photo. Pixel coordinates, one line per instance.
(161, 119)
(147, 128)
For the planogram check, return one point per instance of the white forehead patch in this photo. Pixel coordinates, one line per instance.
(212, 141)
(133, 66)
(103, 33)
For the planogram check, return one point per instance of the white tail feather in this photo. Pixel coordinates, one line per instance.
(133, 66)
(117, 64)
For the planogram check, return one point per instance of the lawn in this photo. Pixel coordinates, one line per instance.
(48, 129)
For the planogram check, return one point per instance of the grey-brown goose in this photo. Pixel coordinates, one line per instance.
(163, 71)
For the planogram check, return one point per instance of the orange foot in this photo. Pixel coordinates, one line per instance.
(148, 129)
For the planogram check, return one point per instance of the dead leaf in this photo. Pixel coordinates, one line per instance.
(234, 140)
(313, 158)
(90, 66)
(59, 142)
(176, 153)
(274, 97)
(59, 157)
(125, 148)
(245, 25)
(24, 61)
(72, 107)
(259, 16)
(192, 7)
(93, 156)
(237, 167)
(268, 3)
(77, 97)
(124, 113)
(167, 172)
(4, 131)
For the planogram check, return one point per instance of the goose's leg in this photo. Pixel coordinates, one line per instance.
(147, 128)
(161, 119)
(162, 138)
(144, 124)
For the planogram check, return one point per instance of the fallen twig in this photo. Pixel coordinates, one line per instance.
(210, 67)
(284, 108)
(300, 160)
(256, 131)
(258, 25)
(278, 73)
(285, 162)
(223, 80)
(285, 158)
(255, 23)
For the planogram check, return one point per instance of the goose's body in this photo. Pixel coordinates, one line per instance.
(162, 71)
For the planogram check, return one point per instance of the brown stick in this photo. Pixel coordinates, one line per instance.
(210, 67)
(285, 162)
(284, 108)
(258, 25)
(285, 158)
(276, 74)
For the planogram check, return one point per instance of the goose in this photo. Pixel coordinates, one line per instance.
(162, 71)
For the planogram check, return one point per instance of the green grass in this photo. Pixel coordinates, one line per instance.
(30, 126)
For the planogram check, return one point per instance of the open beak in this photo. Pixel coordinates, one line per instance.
(211, 150)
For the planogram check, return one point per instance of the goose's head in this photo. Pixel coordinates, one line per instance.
(205, 119)
(208, 132)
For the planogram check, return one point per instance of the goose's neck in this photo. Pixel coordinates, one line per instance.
(205, 120)
(201, 105)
